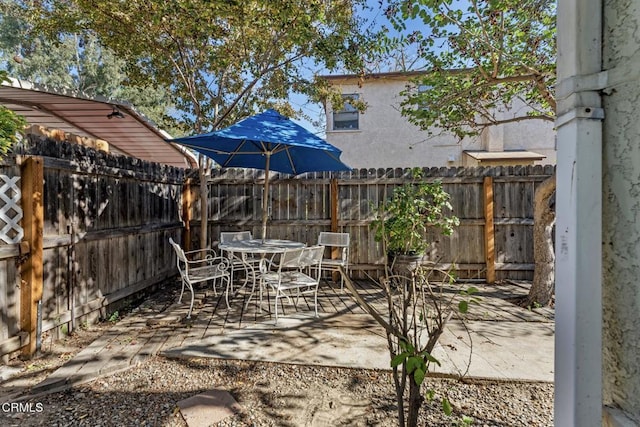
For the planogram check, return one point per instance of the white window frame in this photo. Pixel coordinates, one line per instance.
(348, 118)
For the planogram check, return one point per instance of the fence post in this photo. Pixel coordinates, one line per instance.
(334, 204)
(31, 271)
(489, 232)
(333, 187)
(187, 202)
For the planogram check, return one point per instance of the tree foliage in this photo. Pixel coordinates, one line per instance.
(71, 61)
(482, 57)
(11, 124)
(403, 220)
(220, 60)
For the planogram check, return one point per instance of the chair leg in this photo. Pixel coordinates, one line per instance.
(181, 291)
(246, 274)
(253, 289)
(192, 299)
(226, 291)
(315, 300)
(245, 267)
(233, 275)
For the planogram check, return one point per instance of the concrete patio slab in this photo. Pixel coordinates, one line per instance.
(521, 351)
(479, 349)
(297, 339)
(502, 341)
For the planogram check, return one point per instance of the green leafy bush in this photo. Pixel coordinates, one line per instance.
(11, 124)
(402, 221)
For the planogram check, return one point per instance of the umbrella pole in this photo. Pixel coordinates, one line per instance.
(265, 197)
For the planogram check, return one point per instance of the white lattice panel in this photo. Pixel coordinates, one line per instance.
(10, 209)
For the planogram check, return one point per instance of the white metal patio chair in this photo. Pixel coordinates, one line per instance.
(242, 261)
(298, 270)
(201, 265)
(341, 242)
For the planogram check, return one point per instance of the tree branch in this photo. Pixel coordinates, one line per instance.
(516, 120)
(544, 91)
(368, 308)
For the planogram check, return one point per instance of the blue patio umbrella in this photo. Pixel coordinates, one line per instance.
(271, 142)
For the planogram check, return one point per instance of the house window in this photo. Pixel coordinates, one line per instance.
(347, 118)
(422, 89)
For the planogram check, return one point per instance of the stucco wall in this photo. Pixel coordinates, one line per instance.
(536, 135)
(386, 139)
(621, 213)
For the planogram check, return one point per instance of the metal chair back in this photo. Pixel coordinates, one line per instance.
(336, 240)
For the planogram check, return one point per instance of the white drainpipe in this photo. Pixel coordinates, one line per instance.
(578, 344)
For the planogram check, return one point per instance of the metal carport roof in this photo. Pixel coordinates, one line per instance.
(133, 135)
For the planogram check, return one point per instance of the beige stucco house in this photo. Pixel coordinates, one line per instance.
(382, 137)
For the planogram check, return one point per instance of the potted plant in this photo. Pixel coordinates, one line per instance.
(402, 221)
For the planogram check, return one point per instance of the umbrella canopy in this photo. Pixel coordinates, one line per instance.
(267, 141)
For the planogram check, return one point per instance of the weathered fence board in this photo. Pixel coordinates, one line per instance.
(106, 225)
(300, 208)
(9, 306)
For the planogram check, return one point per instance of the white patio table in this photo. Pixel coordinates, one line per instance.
(260, 247)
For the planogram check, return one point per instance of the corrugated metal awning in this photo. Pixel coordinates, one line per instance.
(132, 135)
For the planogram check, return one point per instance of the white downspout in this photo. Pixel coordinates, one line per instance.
(578, 343)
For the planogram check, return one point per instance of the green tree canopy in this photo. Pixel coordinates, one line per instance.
(480, 57)
(220, 60)
(11, 124)
(71, 61)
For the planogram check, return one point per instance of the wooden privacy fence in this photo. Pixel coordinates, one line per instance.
(495, 207)
(96, 231)
(82, 230)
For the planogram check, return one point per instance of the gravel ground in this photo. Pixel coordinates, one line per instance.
(278, 395)
(269, 394)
